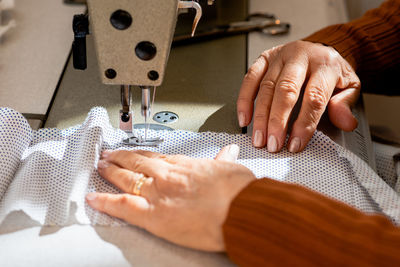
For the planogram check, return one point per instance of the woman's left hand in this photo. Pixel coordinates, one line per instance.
(183, 200)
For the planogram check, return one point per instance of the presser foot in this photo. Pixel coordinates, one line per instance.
(134, 140)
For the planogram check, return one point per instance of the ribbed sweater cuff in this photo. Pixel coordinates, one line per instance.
(277, 223)
(371, 43)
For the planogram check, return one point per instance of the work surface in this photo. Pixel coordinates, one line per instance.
(33, 54)
(201, 86)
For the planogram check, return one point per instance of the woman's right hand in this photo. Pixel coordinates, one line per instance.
(276, 79)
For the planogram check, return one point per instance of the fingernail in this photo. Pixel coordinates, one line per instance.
(294, 145)
(234, 151)
(242, 119)
(91, 196)
(272, 144)
(105, 154)
(102, 164)
(258, 138)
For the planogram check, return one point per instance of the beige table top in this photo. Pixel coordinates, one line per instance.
(33, 54)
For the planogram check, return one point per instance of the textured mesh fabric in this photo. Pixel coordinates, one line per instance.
(43, 172)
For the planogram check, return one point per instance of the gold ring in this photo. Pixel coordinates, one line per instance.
(138, 185)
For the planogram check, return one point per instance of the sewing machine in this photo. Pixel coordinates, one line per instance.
(133, 41)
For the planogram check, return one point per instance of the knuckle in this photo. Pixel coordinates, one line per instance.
(334, 55)
(266, 53)
(270, 53)
(276, 121)
(243, 100)
(181, 159)
(147, 187)
(307, 126)
(260, 117)
(252, 73)
(325, 56)
(180, 181)
(267, 85)
(349, 81)
(135, 163)
(295, 45)
(355, 82)
(317, 98)
(310, 128)
(123, 200)
(289, 89)
(330, 58)
(348, 78)
(355, 85)
(264, 57)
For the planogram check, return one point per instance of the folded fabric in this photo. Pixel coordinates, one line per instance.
(47, 173)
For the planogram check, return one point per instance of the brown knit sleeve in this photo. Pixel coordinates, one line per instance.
(371, 45)
(274, 223)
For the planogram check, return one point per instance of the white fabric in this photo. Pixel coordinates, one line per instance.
(43, 172)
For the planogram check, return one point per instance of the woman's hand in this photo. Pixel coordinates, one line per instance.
(183, 200)
(276, 79)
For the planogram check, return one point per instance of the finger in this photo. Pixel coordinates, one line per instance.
(229, 153)
(132, 209)
(152, 167)
(149, 154)
(248, 90)
(123, 178)
(286, 94)
(316, 96)
(173, 159)
(263, 103)
(339, 109)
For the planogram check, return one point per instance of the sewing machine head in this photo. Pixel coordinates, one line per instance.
(133, 40)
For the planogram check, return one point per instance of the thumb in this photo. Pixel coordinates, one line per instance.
(229, 153)
(339, 109)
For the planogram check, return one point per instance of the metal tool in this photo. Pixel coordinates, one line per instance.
(126, 114)
(145, 108)
(265, 23)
